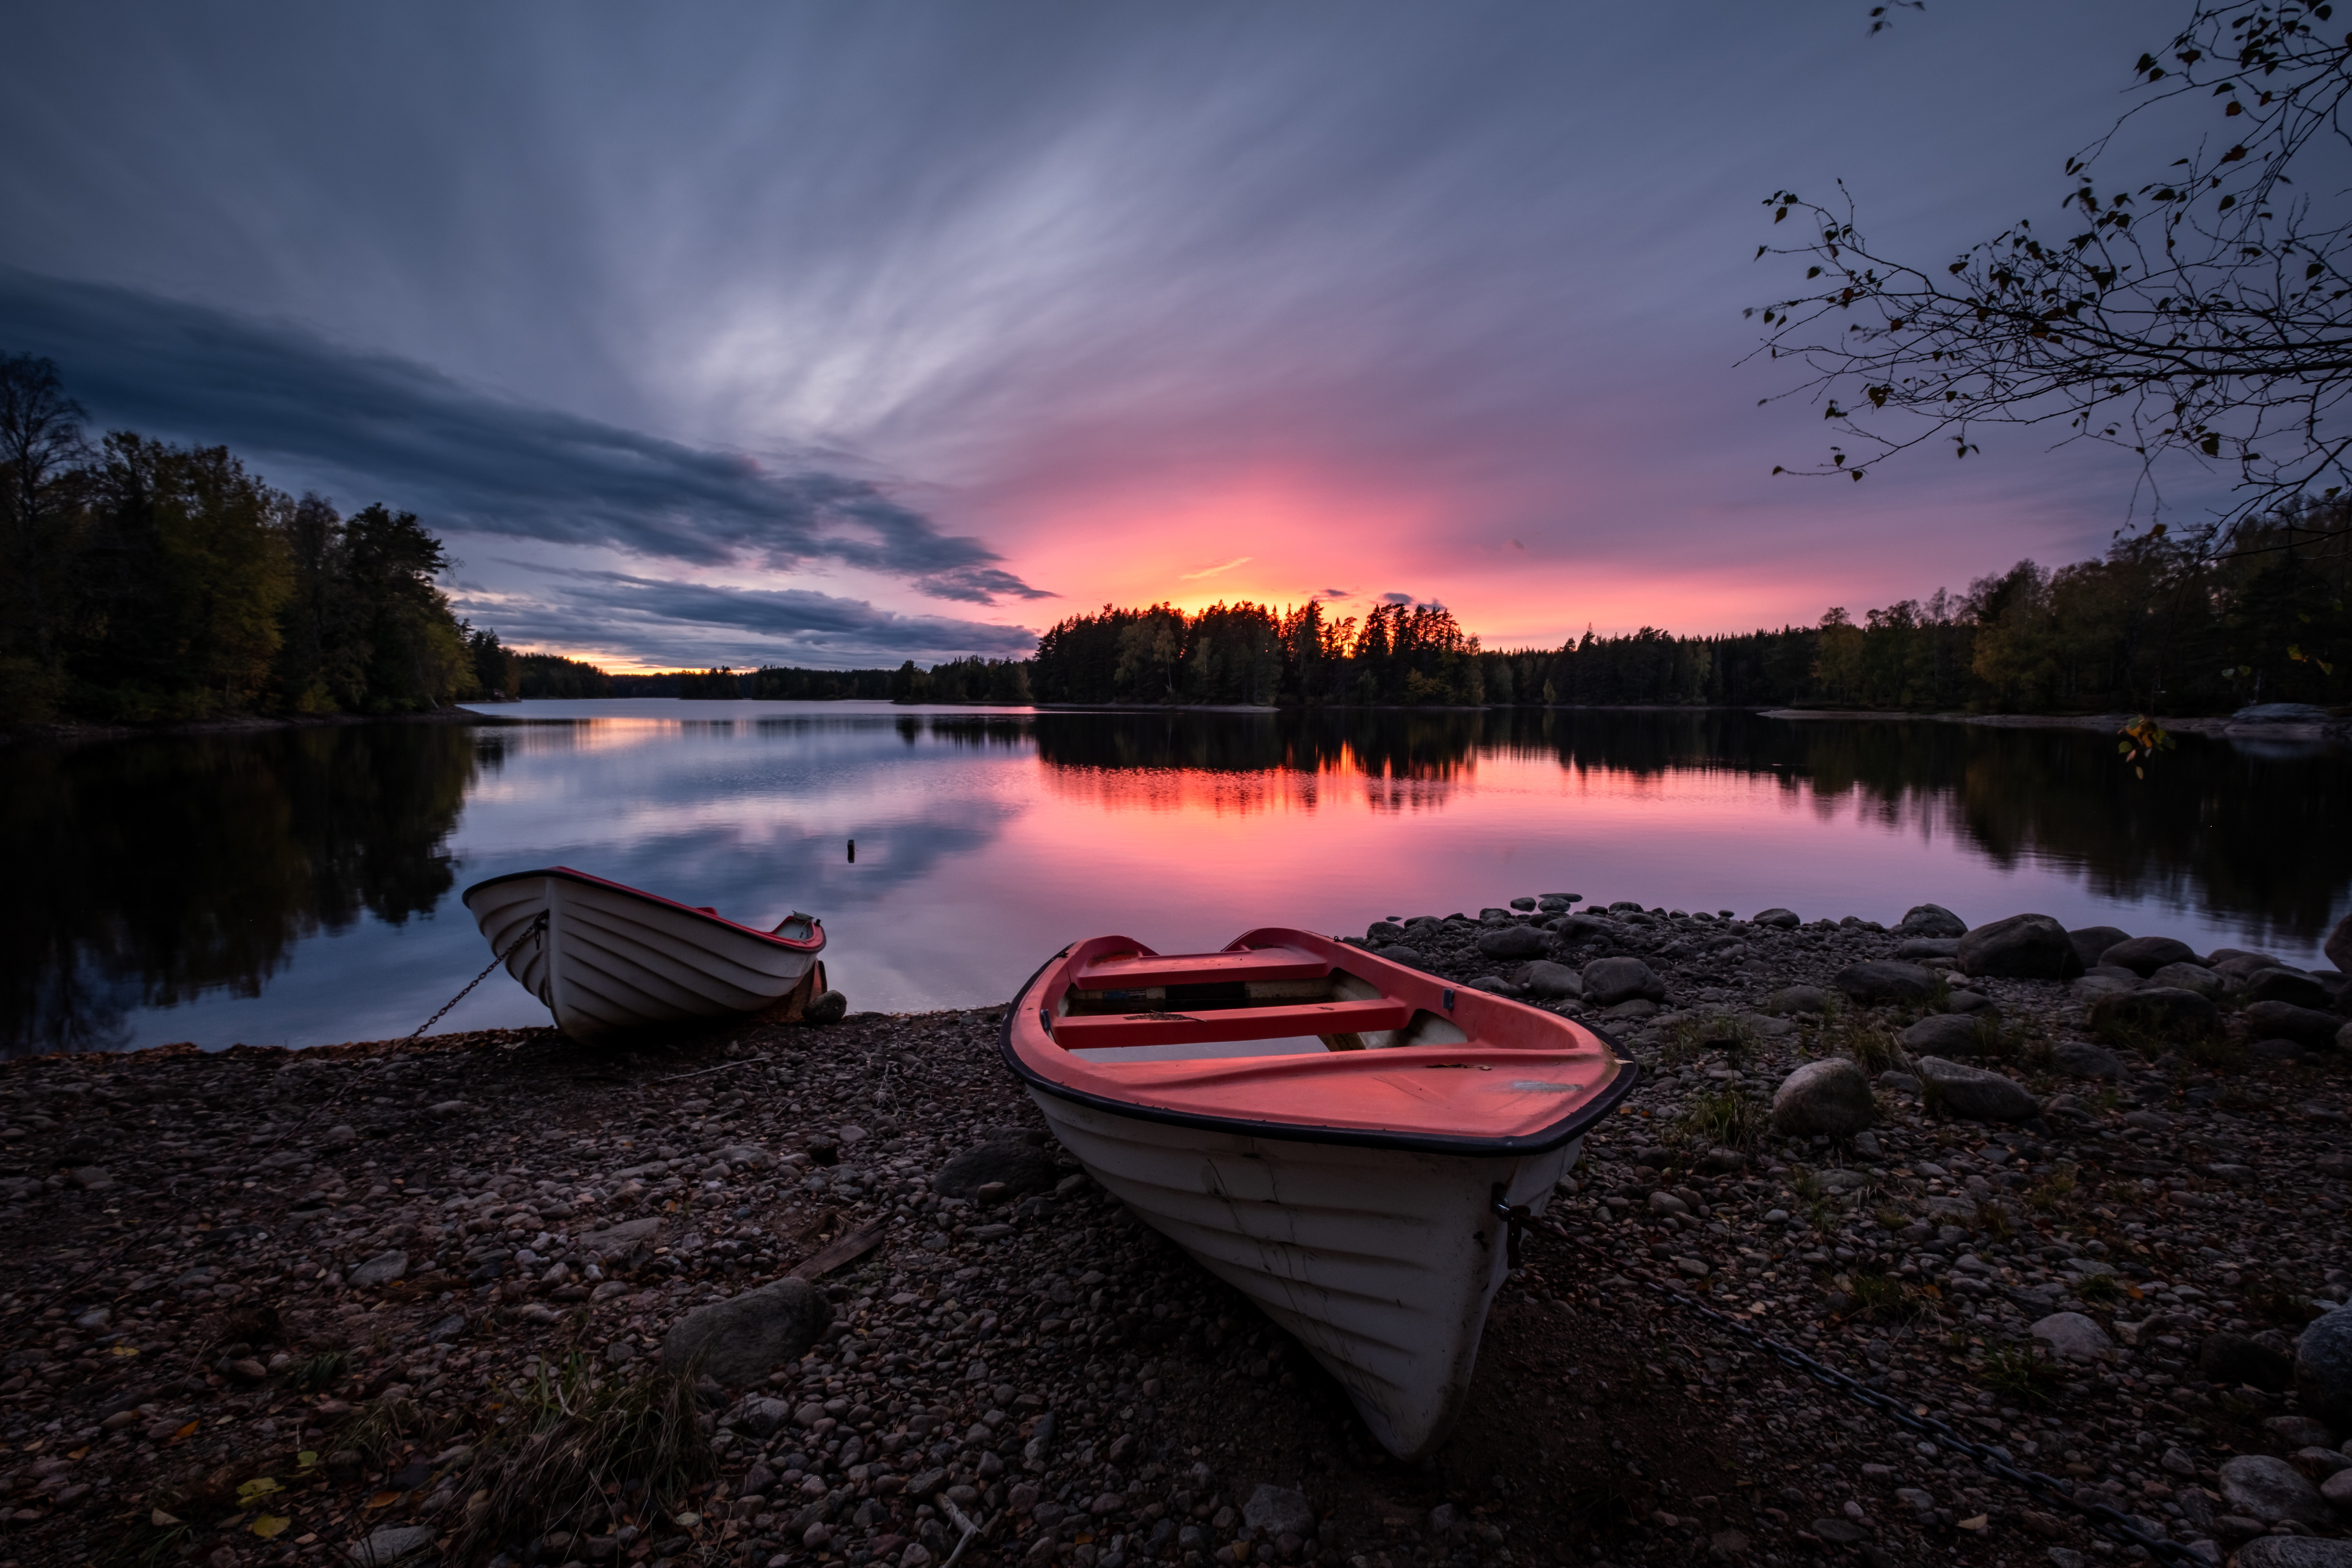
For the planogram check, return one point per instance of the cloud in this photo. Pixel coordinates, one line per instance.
(467, 460)
(1213, 571)
(687, 621)
(1396, 599)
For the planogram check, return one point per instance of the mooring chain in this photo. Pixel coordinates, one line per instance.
(2111, 1523)
(538, 924)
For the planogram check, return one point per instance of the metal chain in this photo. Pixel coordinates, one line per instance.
(2114, 1524)
(538, 924)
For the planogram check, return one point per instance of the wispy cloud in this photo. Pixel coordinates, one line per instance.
(470, 461)
(1213, 571)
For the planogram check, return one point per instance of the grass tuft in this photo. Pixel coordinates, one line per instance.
(1728, 1118)
(1703, 1034)
(1887, 1301)
(2027, 1374)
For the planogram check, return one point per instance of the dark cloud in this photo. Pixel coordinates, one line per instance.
(688, 622)
(469, 461)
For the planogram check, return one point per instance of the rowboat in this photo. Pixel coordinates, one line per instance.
(1353, 1144)
(610, 960)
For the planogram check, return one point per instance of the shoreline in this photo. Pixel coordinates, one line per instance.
(367, 1253)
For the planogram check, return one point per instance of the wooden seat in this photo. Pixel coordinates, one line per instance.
(1136, 971)
(1087, 1032)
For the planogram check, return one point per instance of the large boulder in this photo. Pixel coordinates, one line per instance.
(2285, 1021)
(2022, 947)
(2292, 986)
(1885, 980)
(2159, 1011)
(1550, 981)
(1930, 919)
(2261, 1487)
(1513, 942)
(1797, 999)
(1021, 1165)
(1973, 1095)
(2323, 1369)
(1831, 1096)
(1782, 919)
(742, 1340)
(1609, 981)
(2092, 941)
(2143, 955)
(2339, 945)
(2295, 1551)
(2237, 1359)
(2194, 977)
(1950, 1034)
(2080, 1058)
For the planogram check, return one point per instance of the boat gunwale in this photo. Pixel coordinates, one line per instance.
(1574, 1125)
(812, 943)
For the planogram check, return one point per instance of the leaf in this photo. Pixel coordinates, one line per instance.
(125, 1349)
(1979, 1523)
(253, 1491)
(161, 1520)
(384, 1499)
(184, 1434)
(270, 1526)
(307, 1457)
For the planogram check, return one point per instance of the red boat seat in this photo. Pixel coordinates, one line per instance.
(1087, 1032)
(1136, 971)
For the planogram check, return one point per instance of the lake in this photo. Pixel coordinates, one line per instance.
(297, 887)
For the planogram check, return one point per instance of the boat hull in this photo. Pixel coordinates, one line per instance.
(613, 962)
(1381, 1263)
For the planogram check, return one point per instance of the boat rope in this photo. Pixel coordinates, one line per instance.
(1515, 1218)
(2111, 1523)
(538, 924)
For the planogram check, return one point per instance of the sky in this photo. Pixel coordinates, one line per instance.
(835, 334)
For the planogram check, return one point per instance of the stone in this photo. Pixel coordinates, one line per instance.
(1022, 1166)
(1797, 999)
(1609, 981)
(2280, 713)
(2092, 941)
(1493, 983)
(341, 1136)
(2344, 1039)
(1398, 952)
(741, 1339)
(2295, 1551)
(2292, 986)
(2072, 1335)
(1930, 919)
(1972, 1002)
(1552, 982)
(1278, 1511)
(1779, 918)
(2080, 1058)
(2022, 947)
(1829, 1096)
(618, 1243)
(2235, 1358)
(1885, 980)
(1926, 947)
(2143, 955)
(2299, 1432)
(390, 1544)
(1972, 1095)
(2323, 1369)
(762, 1417)
(1381, 932)
(382, 1269)
(2285, 1021)
(1948, 1035)
(2195, 977)
(2271, 1490)
(2336, 1491)
(2338, 947)
(2157, 1010)
(1513, 942)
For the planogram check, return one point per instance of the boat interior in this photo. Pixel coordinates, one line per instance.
(1261, 1001)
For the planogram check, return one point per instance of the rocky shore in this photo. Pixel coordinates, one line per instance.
(2079, 1194)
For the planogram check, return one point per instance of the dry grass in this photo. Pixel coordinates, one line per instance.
(1727, 1119)
(1704, 1034)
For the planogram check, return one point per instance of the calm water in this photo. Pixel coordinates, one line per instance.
(299, 887)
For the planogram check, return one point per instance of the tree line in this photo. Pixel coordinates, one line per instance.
(144, 581)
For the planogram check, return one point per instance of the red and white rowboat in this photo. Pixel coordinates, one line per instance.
(1351, 1143)
(611, 960)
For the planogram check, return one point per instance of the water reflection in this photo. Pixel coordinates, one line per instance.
(269, 886)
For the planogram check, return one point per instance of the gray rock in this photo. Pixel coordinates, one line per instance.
(742, 1340)
(761, 1417)
(342, 1135)
(1512, 942)
(2092, 941)
(1523, 904)
(2079, 1059)
(2344, 1039)
(1784, 920)
(2278, 1051)
(2339, 948)
(1948, 1035)
(2235, 1358)
(1972, 1002)
(1398, 952)
(2022, 947)
(2074, 1335)
(390, 1544)
(2292, 986)
(1554, 903)
(617, 1242)
(1493, 985)
(2194, 977)
(2271, 1490)
(2143, 955)
(1609, 981)
(382, 1269)
(1278, 1511)
(2285, 1021)
(1797, 999)
(2295, 1551)
(1022, 1167)
(1973, 1095)
(826, 1007)
(1550, 980)
(2323, 1369)
(1923, 947)
(2337, 1489)
(1379, 933)
(1902, 1082)
(1930, 919)
(2156, 1010)
(1885, 980)
(1831, 1096)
